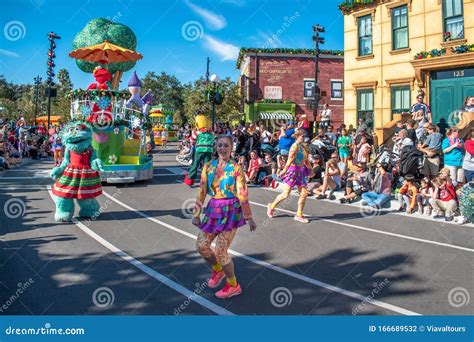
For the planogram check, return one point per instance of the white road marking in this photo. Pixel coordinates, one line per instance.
(151, 272)
(292, 274)
(22, 178)
(375, 230)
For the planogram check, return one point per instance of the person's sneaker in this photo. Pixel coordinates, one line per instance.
(332, 197)
(229, 291)
(364, 202)
(449, 218)
(321, 196)
(301, 219)
(402, 208)
(461, 220)
(215, 279)
(270, 211)
(342, 200)
(438, 217)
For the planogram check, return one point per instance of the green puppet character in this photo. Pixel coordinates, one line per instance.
(204, 147)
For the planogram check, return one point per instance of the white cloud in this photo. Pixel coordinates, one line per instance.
(8, 53)
(226, 51)
(212, 20)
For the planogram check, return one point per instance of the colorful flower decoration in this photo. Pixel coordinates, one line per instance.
(85, 110)
(440, 52)
(135, 122)
(112, 159)
(103, 103)
(116, 130)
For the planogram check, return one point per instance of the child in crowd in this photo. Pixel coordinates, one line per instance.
(164, 138)
(407, 195)
(344, 144)
(58, 151)
(424, 196)
(254, 165)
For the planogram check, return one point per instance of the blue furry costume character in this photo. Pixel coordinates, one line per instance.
(77, 177)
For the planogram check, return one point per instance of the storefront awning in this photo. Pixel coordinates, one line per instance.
(280, 115)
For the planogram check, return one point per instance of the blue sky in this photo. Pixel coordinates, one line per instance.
(174, 36)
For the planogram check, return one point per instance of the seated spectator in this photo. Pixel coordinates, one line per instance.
(402, 141)
(331, 179)
(381, 188)
(357, 184)
(267, 169)
(411, 133)
(444, 196)
(407, 195)
(469, 104)
(453, 149)
(466, 195)
(431, 148)
(423, 198)
(399, 127)
(254, 165)
(316, 177)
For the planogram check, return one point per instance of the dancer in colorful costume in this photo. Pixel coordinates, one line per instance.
(227, 210)
(294, 173)
(77, 177)
(204, 147)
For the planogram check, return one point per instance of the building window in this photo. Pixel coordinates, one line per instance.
(308, 88)
(400, 96)
(365, 106)
(400, 27)
(365, 35)
(336, 89)
(453, 20)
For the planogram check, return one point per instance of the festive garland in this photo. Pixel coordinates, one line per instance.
(97, 93)
(440, 52)
(349, 5)
(244, 51)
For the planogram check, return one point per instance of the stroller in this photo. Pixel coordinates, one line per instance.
(411, 162)
(321, 148)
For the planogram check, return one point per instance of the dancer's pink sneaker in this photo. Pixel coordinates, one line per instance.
(229, 291)
(215, 279)
(301, 219)
(270, 211)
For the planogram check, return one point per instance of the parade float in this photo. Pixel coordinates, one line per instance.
(119, 119)
(162, 120)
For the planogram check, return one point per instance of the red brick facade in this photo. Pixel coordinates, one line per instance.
(289, 72)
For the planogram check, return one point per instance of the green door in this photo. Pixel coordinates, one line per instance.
(448, 90)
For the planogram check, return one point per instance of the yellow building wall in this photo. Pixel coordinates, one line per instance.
(425, 32)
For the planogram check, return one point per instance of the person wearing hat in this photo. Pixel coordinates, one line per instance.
(444, 196)
(294, 173)
(407, 195)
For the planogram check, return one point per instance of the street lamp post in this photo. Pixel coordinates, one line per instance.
(214, 100)
(37, 80)
(52, 45)
(317, 29)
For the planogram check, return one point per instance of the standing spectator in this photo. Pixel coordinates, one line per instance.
(444, 196)
(381, 190)
(304, 124)
(286, 137)
(420, 111)
(344, 146)
(363, 151)
(325, 117)
(407, 195)
(254, 165)
(453, 149)
(431, 147)
(331, 135)
(468, 162)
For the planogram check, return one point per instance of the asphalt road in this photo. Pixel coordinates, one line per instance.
(139, 256)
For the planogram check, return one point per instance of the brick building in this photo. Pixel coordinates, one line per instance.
(276, 83)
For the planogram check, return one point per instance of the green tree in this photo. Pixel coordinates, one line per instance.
(60, 104)
(98, 30)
